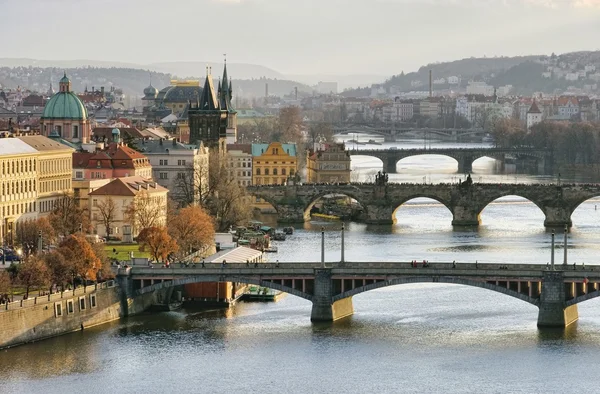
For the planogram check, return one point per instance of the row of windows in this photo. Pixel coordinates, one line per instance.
(165, 162)
(16, 166)
(275, 171)
(81, 303)
(270, 181)
(244, 173)
(56, 185)
(276, 162)
(18, 209)
(17, 187)
(53, 166)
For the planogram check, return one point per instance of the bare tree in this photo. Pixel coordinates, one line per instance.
(146, 211)
(108, 211)
(67, 217)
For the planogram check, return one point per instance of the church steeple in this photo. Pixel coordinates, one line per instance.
(208, 100)
(225, 93)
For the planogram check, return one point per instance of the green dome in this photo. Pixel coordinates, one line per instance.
(65, 79)
(65, 105)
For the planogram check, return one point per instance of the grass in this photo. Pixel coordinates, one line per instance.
(124, 250)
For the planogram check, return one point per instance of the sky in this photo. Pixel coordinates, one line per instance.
(336, 37)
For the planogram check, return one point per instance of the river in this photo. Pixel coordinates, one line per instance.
(422, 338)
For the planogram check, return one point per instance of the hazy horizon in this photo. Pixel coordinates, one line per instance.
(335, 37)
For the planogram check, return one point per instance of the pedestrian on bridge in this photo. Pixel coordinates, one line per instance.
(453, 263)
(247, 263)
(476, 264)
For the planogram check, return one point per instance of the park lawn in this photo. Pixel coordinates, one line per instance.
(123, 251)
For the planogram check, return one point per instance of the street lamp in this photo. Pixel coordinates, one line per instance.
(323, 246)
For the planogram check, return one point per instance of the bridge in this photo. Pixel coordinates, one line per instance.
(330, 288)
(464, 156)
(466, 202)
(390, 132)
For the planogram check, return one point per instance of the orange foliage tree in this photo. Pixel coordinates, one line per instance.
(158, 242)
(33, 273)
(193, 229)
(80, 256)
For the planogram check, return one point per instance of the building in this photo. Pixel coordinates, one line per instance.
(125, 193)
(33, 176)
(212, 119)
(480, 88)
(329, 164)
(54, 170)
(183, 169)
(568, 106)
(240, 163)
(534, 115)
(273, 164)
(65, 116)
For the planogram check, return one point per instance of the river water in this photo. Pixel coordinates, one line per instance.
(422, 338)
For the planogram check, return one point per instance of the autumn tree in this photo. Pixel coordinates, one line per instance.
(5, 283)
(105, 272)
(158, 242)
(80, 257)
(192, 228)
(67, 217)
(33, 273)
(146, 211)
(108, 213)
(59, 270)
(28, 234)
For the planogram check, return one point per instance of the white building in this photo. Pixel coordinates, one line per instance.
(453, 80)
(480, 88)
(534, 115)
(181, 168)
(240, 163)
(572, 76)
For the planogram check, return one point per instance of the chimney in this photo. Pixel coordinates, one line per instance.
(430, 84)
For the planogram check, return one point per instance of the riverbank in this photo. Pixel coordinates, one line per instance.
(56, 314)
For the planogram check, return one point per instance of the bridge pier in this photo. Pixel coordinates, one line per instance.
(554, 311)
(389, 165)
(324, 309)
(465, 164)
(463, 216)
(292, 214)
(557, 217)
(378, 214)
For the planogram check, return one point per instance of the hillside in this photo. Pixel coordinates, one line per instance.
(524, 73)
(133, 81)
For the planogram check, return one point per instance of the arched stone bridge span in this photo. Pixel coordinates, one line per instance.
(390, 133)
(330, 289)
(464, 156)
(465, 202)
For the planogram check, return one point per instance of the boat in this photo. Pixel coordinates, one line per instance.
(279, 236)
(271, 249)
(288, 230)
(373, 142)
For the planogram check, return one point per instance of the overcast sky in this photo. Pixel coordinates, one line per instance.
(297, 36)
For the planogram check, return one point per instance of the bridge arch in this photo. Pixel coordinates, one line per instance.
(490, 200)
(315, 198)
(397, 204)
(577, 203)
(438, 279)
(252, 280)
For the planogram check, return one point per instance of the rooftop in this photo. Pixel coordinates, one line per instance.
(14, 146)
(128, 186)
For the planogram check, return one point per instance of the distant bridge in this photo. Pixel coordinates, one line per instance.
(390, 133)
(330, 288)
(464, 156)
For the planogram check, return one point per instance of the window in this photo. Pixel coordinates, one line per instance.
(79, 174)
(92, 300)
(180, 175)
(258, 171)
(266, 171)
(283, 171)
(75, 131)
(94, 202)
(163, 175)
(274, 171)
(70, 307)
(58, 310)
(81, 303)
(180, 162)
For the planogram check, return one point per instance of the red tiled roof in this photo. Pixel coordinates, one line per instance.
(128, 186)
(246, 148)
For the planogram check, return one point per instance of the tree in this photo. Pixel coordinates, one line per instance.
(28, 234)
(80, 257)
(33, 273)
(158, 242)
(146, 211)
(67, 217)
(108, 213)
(5, 283)
(319, 132)
(59, 270)
(105, 272)
(192, 228)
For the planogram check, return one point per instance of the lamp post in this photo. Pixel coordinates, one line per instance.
(323, 246)
(343, 228)
(552, 252)
(565, 246)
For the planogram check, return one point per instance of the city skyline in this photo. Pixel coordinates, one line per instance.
(382, 37)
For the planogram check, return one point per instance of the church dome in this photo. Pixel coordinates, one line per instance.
(65, 105)
(116, 131)
(151, 91)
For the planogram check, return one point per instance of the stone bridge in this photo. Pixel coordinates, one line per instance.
(330, 288)
(464, 156)
(466, 202)
(390, 133)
